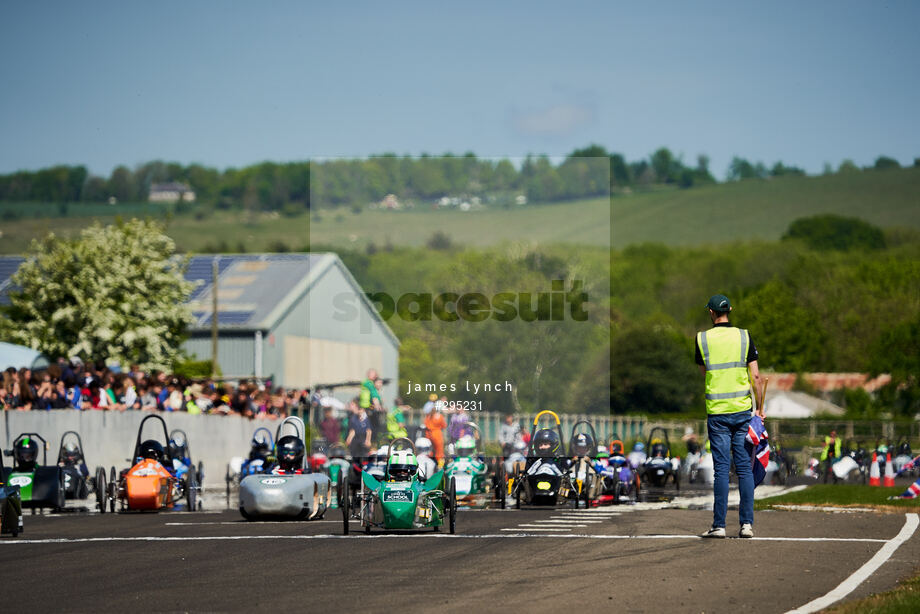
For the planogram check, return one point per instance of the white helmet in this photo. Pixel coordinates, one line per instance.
(422, 446)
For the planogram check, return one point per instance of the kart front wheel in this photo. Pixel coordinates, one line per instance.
(101, 490)
(113, 489)
(191, 489)
(345, 504)
(452, 501)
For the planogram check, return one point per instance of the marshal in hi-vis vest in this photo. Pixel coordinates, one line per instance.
(728, 383)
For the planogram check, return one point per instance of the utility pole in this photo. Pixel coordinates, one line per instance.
(214, 270)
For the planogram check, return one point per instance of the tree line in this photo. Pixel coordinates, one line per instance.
(287, 187)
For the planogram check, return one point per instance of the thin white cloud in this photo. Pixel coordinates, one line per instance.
(558, 120)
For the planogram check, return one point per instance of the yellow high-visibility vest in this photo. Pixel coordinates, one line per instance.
(728, 383)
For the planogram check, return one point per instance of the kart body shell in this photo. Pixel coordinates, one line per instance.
(402, 504)
(476, 485)
(543, 481)
(77, 482)
(285, 495)
(41, 486)
(151, 485)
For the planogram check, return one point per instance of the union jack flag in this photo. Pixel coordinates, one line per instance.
(756, 442)
(908, 466)
(912, 492)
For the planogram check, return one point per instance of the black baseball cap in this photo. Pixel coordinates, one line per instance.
(719, 303)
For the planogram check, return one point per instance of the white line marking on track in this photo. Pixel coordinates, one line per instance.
(857, 577)
(522, 533)
(245, 523)
(536, 528)
(565, 522)
(570, 519)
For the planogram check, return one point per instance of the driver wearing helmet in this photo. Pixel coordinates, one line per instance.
(465, 446)
(153, 450)
(582, 445)
(658, 449)
(426, 465)
(71, 457)
(547, 447)
(546, 443)
(177, 453)
(150, 460)
(26, 454)
(402, 466)
(290, 456)
(638, 455)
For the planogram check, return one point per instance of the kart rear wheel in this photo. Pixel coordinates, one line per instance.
(227, 479)
(344, 503)
(452, 501)
(586, 491)
(517, 495)
(101, 490)
(501, 485)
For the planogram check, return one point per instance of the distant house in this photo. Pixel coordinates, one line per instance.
(171, 192)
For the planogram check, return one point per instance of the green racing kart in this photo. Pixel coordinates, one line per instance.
(477, 486)
(401, 501)
(40, 485)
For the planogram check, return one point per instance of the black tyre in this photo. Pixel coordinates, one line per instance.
(246, 515)
(101, 490)
(586, 491)
(345, 504)
(200, 478)
(502, 490)
(62, 492)
(191, 489)
(113, 489)
(452, 501)
(228, 479)
(517, 495)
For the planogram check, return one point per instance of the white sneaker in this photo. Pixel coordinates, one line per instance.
(714, 532)
(746, 531)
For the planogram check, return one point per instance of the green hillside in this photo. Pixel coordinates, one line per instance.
(752, 209)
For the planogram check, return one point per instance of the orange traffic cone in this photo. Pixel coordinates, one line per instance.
(889, 471)
(873, 471)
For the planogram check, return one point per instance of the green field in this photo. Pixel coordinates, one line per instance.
(753, 209)
(843, 495)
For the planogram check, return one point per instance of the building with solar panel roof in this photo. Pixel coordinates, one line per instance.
(300, 320)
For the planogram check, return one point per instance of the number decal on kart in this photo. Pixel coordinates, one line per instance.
(21, 480)
(273, 481)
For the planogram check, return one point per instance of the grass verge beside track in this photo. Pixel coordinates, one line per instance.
(844, 495)
(904, 598)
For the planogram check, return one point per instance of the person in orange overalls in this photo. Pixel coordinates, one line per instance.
(435, 425)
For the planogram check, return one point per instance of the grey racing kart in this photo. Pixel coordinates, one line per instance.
(301, 495)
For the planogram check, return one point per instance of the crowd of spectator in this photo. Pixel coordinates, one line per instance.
(73, 384)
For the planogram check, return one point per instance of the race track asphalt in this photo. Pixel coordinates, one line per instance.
(624, 559)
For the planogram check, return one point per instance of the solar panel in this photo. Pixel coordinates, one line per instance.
(8, 266)
(228, 318)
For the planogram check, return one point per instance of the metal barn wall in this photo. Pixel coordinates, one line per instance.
(235, 351)
(333, 311)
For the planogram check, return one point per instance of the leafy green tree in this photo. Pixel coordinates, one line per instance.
(788, 334)
(620, 174)
(116, 292)
(825, 232)
(883, 163)
(665, 166)
(652, 371)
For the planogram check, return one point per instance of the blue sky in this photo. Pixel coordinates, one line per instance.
(233, 83)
